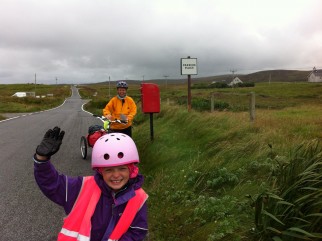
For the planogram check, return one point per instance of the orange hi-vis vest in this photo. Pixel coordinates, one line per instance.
(77, 225)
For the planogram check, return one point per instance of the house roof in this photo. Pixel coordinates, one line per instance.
(236, 80)
(317, 72)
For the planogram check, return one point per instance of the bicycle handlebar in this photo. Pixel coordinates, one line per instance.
(103, 118)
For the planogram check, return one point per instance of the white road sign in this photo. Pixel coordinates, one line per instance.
(189, 66)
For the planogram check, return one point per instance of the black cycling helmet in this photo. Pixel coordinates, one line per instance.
(121, 84)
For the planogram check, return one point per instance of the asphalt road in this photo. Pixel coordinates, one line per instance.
(25, 213)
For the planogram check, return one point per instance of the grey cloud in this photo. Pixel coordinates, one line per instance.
(82, 40)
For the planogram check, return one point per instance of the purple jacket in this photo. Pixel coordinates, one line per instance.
(109, 208)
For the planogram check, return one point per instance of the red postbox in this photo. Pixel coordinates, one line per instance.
(150, 98)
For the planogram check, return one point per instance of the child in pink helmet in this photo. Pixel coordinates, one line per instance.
(110, 205)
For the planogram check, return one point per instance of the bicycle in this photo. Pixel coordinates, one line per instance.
(95, 132)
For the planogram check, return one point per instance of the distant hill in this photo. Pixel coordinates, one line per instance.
(261, 76)
(276, 76)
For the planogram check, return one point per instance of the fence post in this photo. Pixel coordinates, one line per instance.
(252, 106)
(212, 108)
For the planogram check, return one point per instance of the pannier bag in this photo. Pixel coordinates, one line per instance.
(94, 128)
(94, 132)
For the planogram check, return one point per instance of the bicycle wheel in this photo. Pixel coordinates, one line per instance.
(83, 147)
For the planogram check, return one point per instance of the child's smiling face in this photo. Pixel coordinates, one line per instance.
(116, 177)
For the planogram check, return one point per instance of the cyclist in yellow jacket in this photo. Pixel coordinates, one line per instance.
(121, 107)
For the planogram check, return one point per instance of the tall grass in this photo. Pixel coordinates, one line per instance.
(200, 166)
(292, 208)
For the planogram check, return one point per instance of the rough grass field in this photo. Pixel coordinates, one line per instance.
(10, 104)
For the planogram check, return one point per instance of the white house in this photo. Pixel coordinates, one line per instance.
(235, 81)
(315, 75)
(23, 94)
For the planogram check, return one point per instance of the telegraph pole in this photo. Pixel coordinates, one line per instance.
(233, 71)
(166, 80)
(35, 82)
(109, 87)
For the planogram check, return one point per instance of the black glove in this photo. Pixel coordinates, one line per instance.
(51, 142)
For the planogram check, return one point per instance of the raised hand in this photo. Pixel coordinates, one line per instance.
(51, 142)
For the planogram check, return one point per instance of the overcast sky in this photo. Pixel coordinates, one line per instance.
(82, 41)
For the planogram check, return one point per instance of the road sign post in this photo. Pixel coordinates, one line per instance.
(189, 67)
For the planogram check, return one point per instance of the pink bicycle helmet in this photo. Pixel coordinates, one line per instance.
(114, 149)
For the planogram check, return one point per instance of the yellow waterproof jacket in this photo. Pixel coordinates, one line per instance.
(117, 107)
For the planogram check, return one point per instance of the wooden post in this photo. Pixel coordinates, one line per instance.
(212, 103)
(151, 127)
(189, 92)
(252, 106)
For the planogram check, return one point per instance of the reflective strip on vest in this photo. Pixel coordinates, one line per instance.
(71, 235)
(77, 224)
